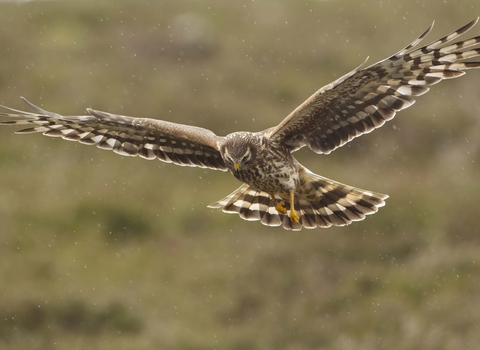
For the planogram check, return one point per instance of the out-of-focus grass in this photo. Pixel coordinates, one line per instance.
(99, 251)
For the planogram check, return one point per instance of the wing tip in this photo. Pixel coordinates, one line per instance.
(32, 106)
(94, 112)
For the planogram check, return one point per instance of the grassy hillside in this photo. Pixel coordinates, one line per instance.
(102, 251)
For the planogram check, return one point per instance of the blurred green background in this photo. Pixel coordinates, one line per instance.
(103, 251)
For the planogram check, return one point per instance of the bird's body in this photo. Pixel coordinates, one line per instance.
(277, 189)
(273, 179)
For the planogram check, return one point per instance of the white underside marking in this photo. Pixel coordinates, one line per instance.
(255, 207)
(112, 142)
(97, 138)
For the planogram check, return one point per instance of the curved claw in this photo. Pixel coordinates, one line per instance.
(280, 207)
(293, 216)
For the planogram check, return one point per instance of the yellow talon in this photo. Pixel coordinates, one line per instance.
(280, 207)
(293, 216)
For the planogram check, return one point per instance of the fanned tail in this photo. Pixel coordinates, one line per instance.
(329, 203)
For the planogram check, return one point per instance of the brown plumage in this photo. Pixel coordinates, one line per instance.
(277, 189)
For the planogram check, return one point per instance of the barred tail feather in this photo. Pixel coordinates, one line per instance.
(330, 204)
(251, 205)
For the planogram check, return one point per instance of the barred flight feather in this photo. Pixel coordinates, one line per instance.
(365, 98)
(127, 136)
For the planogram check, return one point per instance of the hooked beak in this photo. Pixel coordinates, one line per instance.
(237, 167)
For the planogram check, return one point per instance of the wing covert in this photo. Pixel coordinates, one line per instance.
(148, 138)
(365, 98)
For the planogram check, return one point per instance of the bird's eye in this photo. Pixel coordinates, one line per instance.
(228, 158)
(247, 156)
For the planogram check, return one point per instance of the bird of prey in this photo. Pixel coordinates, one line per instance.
(276, 189)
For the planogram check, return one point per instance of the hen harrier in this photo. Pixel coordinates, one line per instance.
(277, 189)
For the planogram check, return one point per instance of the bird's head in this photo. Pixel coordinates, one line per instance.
(240, 149)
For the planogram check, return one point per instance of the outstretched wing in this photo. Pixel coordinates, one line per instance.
(127, 136)
(366, 98)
